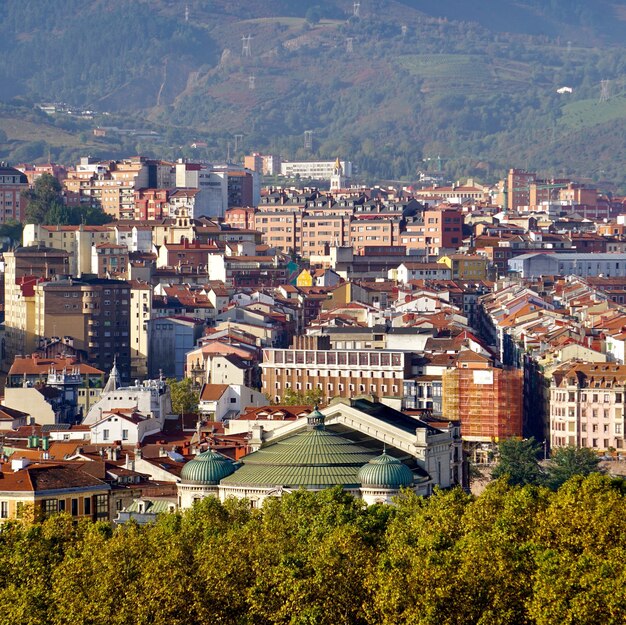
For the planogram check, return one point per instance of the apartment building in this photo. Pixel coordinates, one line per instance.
(438, 229)
(25, 267)
(13, 184)
(587, 406)
(77, 241)
(336, 373)
(140, 311)
(94, 312)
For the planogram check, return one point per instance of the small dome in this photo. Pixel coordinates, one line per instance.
(385, 471)
(207, 469)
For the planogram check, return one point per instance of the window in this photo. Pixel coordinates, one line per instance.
(49, 506)
(124, 435)
(102, 507)
(4, 509)
(105, 435)
(74, 507)
(618, 428)
(61, 505)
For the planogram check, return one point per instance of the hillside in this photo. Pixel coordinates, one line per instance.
(405, 80)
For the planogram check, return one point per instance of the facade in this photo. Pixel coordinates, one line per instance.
(95, 313)
(587, 406)
(578, 264)
(13, 184)
(41, 489)
(317, 170)
(336, 373)
(438, 229)
(24, 268)
(170, 338)
(487, 401)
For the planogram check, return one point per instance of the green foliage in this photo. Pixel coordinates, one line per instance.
(566, 462)
(473, 82)
(518, 463)
(13, 230)
(312, 397)
(45, 205)
(185, 396)
(522, 555)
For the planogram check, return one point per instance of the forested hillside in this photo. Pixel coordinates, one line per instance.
(523, 556)
(403, 81)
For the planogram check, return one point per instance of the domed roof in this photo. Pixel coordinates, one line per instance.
(385, 471)
(207, 469)
(315, 458)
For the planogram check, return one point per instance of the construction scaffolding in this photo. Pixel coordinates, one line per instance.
(487, 402)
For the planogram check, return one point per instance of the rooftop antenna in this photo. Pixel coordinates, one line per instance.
(349, 45)
(605, 92)
(308, 139)
(187, 13)
(356, 9)
(245, 47)
(251, 82)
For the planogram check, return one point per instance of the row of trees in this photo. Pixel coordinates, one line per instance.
(514, 555)
(519, 463)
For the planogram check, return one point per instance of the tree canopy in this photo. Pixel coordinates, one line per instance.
(522, 555)
(45, 205)
(185, 396)
(519, 462)
(566, 462)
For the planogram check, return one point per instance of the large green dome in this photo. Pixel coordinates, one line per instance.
(207, 469)
(312, 459)
(385, 471)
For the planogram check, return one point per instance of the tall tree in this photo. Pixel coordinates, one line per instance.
(43, 197)
(566, 462)
(184, 396)
(519, 462)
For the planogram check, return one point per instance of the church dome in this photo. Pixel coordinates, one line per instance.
(207, 469)
(385, 471)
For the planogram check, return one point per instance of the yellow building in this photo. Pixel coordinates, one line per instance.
(467, 266)
(305, 278)
(40, 489)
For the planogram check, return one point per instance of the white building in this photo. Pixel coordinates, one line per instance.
(368, 448)
(318, 170)
(151, 398)
(565, 264)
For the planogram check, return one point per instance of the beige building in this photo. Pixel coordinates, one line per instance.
(335, 373)
(24, 268)
(587, 406)
(140, 311)
(77, 241)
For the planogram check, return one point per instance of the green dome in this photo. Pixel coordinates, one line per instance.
(207, 469)
(315, 458)
(385, 471)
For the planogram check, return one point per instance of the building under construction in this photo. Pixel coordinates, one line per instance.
(487, 402)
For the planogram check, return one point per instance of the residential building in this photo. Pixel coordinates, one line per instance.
(13, 184)
(587, 406)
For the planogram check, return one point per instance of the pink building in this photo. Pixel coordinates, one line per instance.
(587, 406)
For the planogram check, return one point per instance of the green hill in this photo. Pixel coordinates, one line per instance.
(403, 81)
